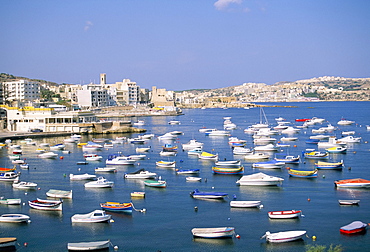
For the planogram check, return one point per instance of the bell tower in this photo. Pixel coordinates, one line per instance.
(103, 79)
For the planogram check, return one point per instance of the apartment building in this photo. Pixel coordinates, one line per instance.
(21, 90)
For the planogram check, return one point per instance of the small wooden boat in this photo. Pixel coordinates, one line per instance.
(156, 183)
(92, 217)
(329, 165)
(138, 194)
(17, 218)
(353, 228)
(8, 243)
(117, 207)
(24, 185)
(100, 183)
(188, 171)
(47, 205)
(208, 156)
(352, 183)
(286, 236)
(337, 149)
(259, 179)
(105, 169)
(228, 170)
(303, 174)
(348, 202)
(312, 154)
(53, 193)
(168, 164)
(94, 245)
(140, 174)
(195, 151)
(284, 214)
(193, 179)
(245, 203)
(85, 176)
(5, 201)
(207, 195)
(220, 232)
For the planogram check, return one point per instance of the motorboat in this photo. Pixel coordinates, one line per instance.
(92, 157)
(207, 195)
(71, 140)
(10, 201)
(50, 155)
(256, 156)
(329, 165)
(271, 164)
(352, 183)
(140, 174)
(24, 185)
(287, 159)
(219, 232)
(241, 151)
(349, 202)
(347, 133)
(139, 123)
(332, 142)
(91, 146)
(146, 136)
(354, 228)
(245, 203)
(119, 160)
(105, 169)
(137, 157)
(177, 132)
(203, 130)
(54, 193)
(337, 149)
(288, 139)
(117, 207)
(84, 176)
(57, 147)
(290, 130)
(94, 245)
(156, 183)
(24, 166)
(313, 154)
(193, 179)
(195, 151)
(168, 153)
(192, 144)
(17, 218)
(187, 171)
(142, 149)
(343, 122)
(319, 137)
(235, 140)
(289, 214)
(47, 205)
(264, 140)
(101, 182)
(92, 217)
(217, 133)
(259, 179)
(174, 122)
(208, 156)
(9, 176)
(136, 140)
(303, 173)
(267, 147)
(286, 236)
(167, 136)
(167, 164)
(350, 139)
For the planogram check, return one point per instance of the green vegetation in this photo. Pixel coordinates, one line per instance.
(321, 248)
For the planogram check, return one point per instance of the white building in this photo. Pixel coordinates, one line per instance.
(94, 96)
(21, 90)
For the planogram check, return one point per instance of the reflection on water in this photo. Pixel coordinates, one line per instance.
(215, 242)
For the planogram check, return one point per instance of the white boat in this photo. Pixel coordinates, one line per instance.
(263, 120)
(71, 140)
(256, 156)
(139, 123)
(349, 202)
(208, 156)
(218, 133)
(85, 176)
(5, 201)
(195, 151)
(92, 217)
(286, 236)
(24, 185)
(100, 183)
(348, 133)
(9, 176)
(245, 203)
(147, 136)
(140, 174)
(91, 146)
(264, 140)
(142, 149)
(83, 246)
(350, 139)
(47, 205)
(136, 140)
(289, 214)
(228, 163)
(319, 137)
(193, 179)
(50, 155)
(105, 169)
(167, 136)
(14, 218)
(345, 122)
(92, 157)
(241, 151)
(271, 164)
(57, 147)
(167, 153)
(137, 157)
(119, 160)
(290, 130)
(220, 232)
(192, 144)
(268, 147)
(53, 193)
(259, 179)
(165, 163)
(203, 130)
(288, 139)
(24, 166)
(173, 122)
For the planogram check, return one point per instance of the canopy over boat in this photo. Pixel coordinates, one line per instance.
(353, 228)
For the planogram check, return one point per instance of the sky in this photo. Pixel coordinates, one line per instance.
(184, 44)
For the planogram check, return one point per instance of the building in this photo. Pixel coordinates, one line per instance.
(94, 96)
(162, 97)
(21, 91)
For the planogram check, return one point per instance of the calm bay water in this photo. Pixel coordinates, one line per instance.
(170, 214)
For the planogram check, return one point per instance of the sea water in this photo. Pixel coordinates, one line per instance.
(171, 213)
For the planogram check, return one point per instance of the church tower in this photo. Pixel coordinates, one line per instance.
(103, 79)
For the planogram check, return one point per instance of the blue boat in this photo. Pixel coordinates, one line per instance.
(188, 171)
(207, 195)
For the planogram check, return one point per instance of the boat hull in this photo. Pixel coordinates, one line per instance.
(85, 246)
(284, 214)
(224, 232)
(245, 204)
(287, 236)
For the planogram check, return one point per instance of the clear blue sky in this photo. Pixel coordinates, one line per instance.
(185, 44)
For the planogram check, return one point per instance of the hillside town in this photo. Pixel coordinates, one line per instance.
(38, 105)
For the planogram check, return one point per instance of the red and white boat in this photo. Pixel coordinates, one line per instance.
(284, 214)
(352, 183)
(354, 228)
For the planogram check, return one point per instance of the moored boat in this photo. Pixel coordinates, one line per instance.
(84, 176)
(8, 243)
(162, 163)
(9, 176)
(220, 232)
(302, 173)
(230, 163)
(245, 203)
(329, 165)
(352, 183)
(54, 193)
(24, 185)
(10, 201)
(193, 179)
(289, 214)
(101, 182)
(337, 149)
(105, 169)
(16, 218)
(92, 217)
(349, 202)
(286, 236)
(188, 171)
(313, 154)
(156, 183)
(354, 228)
(119, 160)
(271, 164)
(287, 159)
(117, 207)
(50, 155)
(94, 245)
(207, 195)
(208, 156)
(228, 170)
(47, 205)
(259, 179)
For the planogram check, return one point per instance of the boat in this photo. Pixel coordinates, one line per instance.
(255, 156)
(208, 156)
(286, 236)
(245, 203)
(192, 144)
(101, 182)
(264, 140)
(267, 147)
(92, 217)
(329, 165)
(170, 148)
(167, 136)
(347, 133)
(119, 160)
(94, 245)
(168, 153)
(288, 139)
(345, 122)
(91, 146)
(139, 123)
(303, 174)
(117, 207)
(138, 194)
(54, 193)
(50, 155)
(142, 149)
(71, 140)
(289, 214)
(137, 157)
(352, 183)
(228, 170)
(57, 147)
(219, 232)
(105, 169)
(354, 227)
(155, 183)
(312, 141)
(9, 176)
(313, 154)
(235, 140)
(165, 163)
(287, 159)
(207, 195)
(259, 179)
(47, 205)
(302, 119)
(84, 176)
(14, 218)
(271, 164)
(217, 133)
(8, 243)
(228, 163)
(92, 157)
(24, 185)
(337, 149)
(6, 201)
(140, 174)
(350, 139)
(136, 140)
(193, 179)
(290, 130)
(173, 122)
(319, 137)
(241, 151)
(263, 120)
(2, 170)
(332, 142)
(195, 151)
(187, 171)
(349, 202)
(24, 166)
